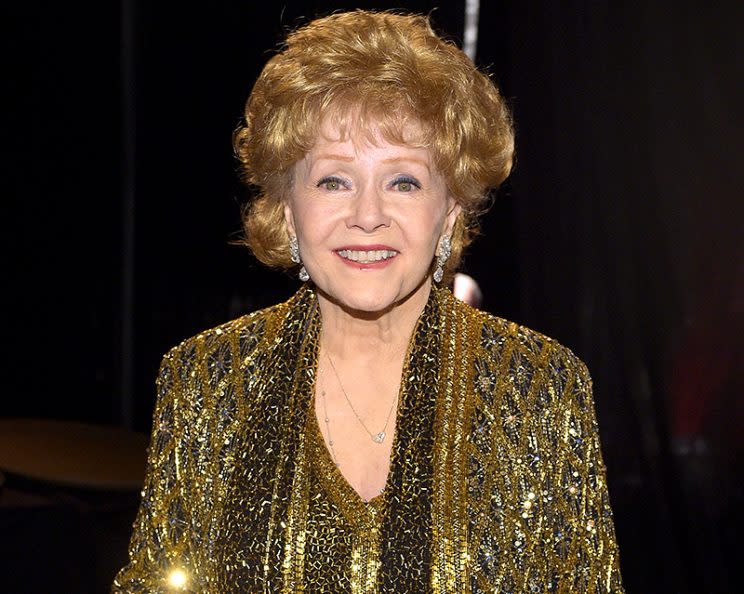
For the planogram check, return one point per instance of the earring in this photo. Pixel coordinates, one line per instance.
(294, 249)
(294, 252)
(445, 251)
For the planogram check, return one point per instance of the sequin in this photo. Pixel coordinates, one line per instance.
(496, 481)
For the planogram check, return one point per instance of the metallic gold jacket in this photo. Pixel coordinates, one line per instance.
(496, 481)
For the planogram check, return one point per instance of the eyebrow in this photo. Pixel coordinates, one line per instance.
(334, 157)
(350, 158)
(409, 159)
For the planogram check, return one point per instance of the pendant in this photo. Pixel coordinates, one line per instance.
(378, 437)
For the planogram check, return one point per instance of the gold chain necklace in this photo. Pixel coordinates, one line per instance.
(376, 437)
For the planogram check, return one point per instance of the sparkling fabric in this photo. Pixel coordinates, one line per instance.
(496, 481)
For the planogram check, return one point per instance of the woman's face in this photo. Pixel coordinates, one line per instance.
(368, 216)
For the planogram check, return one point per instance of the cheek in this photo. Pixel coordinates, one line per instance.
(303, 213)
(427, 226)
(314, 221)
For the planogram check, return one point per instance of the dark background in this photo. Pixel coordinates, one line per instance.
(619, 232)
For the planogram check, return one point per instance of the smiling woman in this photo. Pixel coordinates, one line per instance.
(368, 215)
(372, 434)
(372, 75)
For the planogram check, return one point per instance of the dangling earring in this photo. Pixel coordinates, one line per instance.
(445, 251)
(294, 252)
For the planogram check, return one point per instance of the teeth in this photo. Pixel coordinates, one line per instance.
(367, 256)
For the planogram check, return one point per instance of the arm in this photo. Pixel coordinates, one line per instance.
(580, 539)
(159, 547)
(540, 512)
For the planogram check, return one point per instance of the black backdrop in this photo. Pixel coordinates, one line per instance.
(619, 232)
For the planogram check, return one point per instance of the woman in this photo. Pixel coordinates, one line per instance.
(372, 434)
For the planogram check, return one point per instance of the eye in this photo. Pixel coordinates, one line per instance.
(406, 183)
(331, 183)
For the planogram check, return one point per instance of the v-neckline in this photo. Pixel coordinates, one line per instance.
(355, 508)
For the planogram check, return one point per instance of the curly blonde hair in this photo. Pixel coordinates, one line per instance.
(378, 67)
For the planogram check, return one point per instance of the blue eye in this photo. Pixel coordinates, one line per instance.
(405, 183)
(331, 183)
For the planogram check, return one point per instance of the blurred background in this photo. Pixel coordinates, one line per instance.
(620, 233)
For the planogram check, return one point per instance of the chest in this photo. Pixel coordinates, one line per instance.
(358, 433)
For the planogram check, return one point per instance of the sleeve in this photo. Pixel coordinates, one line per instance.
(581, 538)
(160, 559)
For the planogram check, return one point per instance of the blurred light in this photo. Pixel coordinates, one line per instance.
(470, 37)
(466, 289)
(177, 578)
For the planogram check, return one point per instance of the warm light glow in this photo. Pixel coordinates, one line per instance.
(177, 578)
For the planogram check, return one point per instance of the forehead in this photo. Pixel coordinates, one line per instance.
(365, 152)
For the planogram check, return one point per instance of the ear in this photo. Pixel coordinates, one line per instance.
(289, 219)
(453, 211)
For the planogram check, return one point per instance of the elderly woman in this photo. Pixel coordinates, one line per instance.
(373, 433)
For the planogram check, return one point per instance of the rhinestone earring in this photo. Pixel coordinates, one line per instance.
(294, 253)
(445, 251)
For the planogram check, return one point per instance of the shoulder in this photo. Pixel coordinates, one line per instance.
(496, 334)
(201, 376)
(219, 347)
(530, 385)
(524, 360)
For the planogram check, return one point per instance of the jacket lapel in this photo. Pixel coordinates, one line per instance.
(258, 519)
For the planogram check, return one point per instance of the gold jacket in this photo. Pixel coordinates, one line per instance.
(496, 482)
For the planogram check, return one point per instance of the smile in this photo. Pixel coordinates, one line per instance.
(367, 256)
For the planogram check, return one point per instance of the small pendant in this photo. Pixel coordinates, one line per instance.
(379, 437)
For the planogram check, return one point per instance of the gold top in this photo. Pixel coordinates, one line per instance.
(496, 481)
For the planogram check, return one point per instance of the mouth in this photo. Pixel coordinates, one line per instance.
(367, 256)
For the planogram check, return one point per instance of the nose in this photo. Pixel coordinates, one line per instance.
(368, 211)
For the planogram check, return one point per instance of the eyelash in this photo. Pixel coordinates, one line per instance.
(405, 179)
(330, 179)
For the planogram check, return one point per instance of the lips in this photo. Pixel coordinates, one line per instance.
(367, 255)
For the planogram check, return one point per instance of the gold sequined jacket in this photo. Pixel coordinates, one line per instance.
(496, 481)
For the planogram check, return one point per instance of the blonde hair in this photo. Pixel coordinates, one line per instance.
(385, 68)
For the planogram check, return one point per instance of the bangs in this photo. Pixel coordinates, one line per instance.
(370, 121)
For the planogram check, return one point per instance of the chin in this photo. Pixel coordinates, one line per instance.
(365, 302)
(371, 300)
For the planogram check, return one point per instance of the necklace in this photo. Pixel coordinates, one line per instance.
(376, 437)
(330, 439)
(328, 427)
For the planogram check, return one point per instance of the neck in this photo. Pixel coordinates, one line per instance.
(349, 334)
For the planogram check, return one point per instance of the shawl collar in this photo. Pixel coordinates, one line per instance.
(277, 385)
